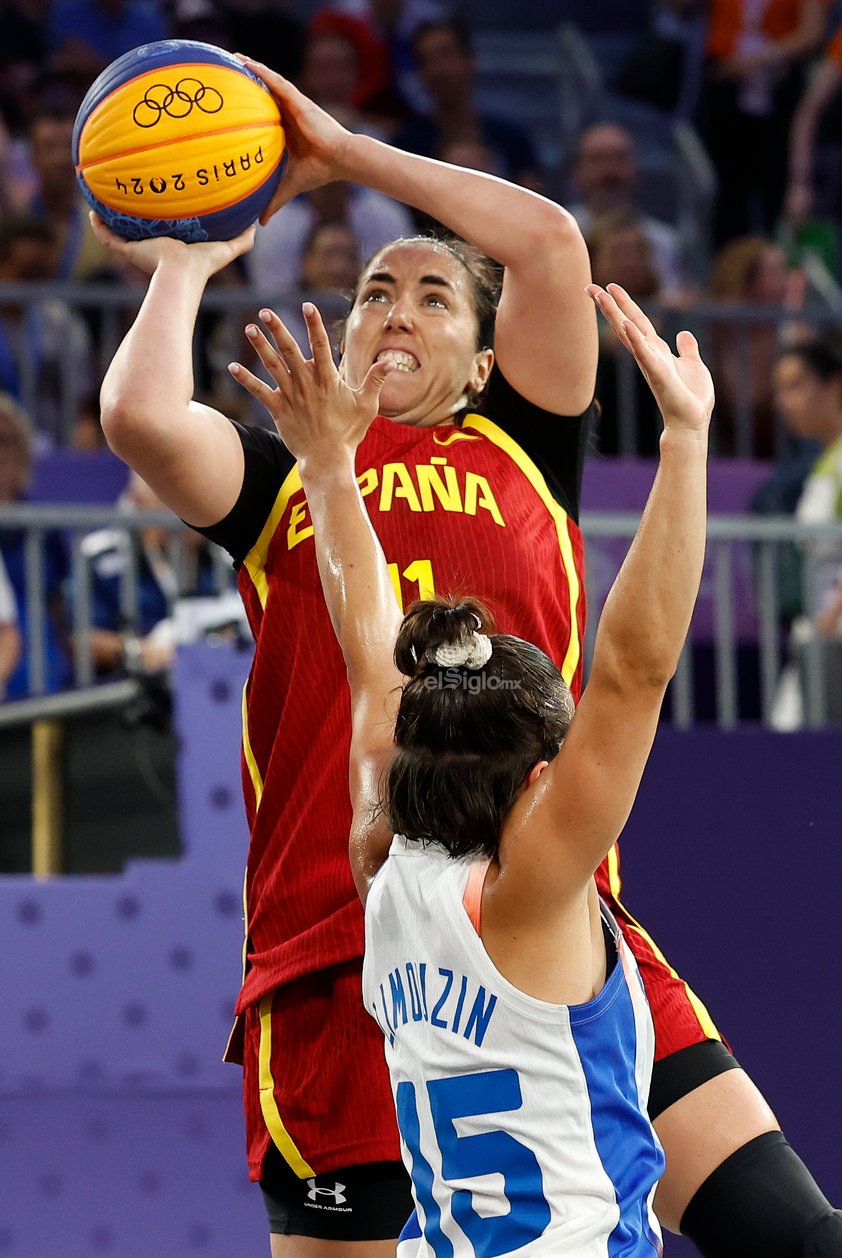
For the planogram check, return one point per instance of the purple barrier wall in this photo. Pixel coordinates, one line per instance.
(732, 861)
(620, 485)
(623, 484)
(610, 484)
(120, 1129)
(78, 476)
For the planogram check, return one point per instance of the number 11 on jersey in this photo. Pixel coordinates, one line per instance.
(420, 573)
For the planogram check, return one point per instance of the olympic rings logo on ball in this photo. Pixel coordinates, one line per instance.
(176, 102)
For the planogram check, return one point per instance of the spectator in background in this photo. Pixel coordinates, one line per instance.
(805, 135)
(45, 350)
(15, 466)
(808, 392)
(331, 261)
(374, 219)
(605, 176)
(177, 598)
(622, 253)
(22, 52)
(374, 94)
(330, 264)
(10, 641)
(331, 74)
(756, 53)
(750, 271)
(447, 71)
(390, 25)
(58, 201)
(84, 36)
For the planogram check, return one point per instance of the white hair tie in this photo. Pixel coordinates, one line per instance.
(473, 650)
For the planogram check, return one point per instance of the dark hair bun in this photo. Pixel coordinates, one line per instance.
(434, 623)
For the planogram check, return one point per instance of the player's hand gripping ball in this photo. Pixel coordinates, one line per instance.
(178, 138)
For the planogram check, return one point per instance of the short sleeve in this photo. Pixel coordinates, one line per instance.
(267, 465)
(557, 444)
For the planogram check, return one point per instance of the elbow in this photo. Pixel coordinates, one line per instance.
(126, 425)
(553, 233)
(118, 420)
(644, 669)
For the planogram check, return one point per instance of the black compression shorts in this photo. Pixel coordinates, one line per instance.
(356, 1203)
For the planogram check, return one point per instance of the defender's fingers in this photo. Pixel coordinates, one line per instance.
(688, 346)
(631, 310)
(272, 360)
(319, 341)
(375, 378)
(606, 304)
(647, 354)
(259, 389)
(285, 341)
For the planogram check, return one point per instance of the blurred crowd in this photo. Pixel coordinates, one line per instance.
(759, 81)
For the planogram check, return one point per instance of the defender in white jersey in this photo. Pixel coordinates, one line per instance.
(518, 1037)
(530, 1106)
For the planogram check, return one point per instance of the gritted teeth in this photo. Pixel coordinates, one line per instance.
(403, 360)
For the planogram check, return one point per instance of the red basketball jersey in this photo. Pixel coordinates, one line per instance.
(457, 510)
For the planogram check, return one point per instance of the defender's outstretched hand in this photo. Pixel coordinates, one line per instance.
(318, 415)
(682, 384)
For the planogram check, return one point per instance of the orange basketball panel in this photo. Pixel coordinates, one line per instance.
(174, 103)
(188, 178)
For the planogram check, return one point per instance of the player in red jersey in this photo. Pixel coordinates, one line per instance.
(472, 478)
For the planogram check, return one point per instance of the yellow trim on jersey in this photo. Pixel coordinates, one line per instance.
(255, 565)
(255, 560)
(257, 786)
(615, 882)
(505, 443)
(269, 1106)
(245, 922)
(248, 754)
(458, 435)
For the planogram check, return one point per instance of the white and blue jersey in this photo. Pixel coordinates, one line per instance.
(523, 1124)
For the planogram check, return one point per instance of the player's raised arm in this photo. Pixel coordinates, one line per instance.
(322, 422)
(545, 339)
(586, 794)
(188, 453)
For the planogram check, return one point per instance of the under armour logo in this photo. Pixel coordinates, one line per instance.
(337, 1192)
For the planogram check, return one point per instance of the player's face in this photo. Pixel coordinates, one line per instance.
(415, 308)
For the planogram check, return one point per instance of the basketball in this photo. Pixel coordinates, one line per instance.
(178, 138)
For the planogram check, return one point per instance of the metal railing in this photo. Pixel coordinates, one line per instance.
(110, 308)
(105, 311)
(731, 670)
(741, 645)
(76, 524)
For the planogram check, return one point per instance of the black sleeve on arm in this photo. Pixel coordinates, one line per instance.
(556, 443)
(267, 464)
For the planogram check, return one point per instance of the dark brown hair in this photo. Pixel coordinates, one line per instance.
(467, 738)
